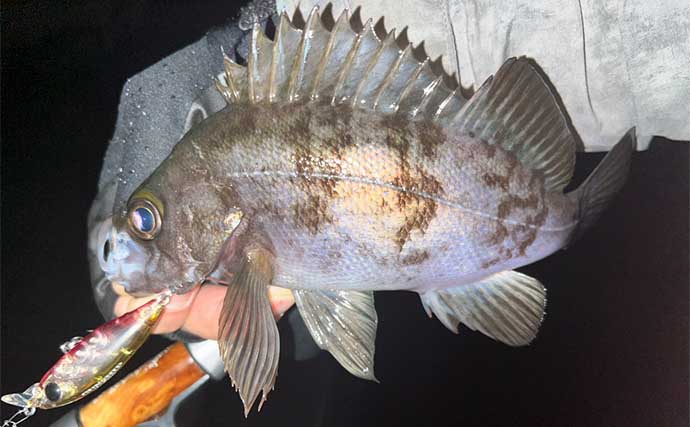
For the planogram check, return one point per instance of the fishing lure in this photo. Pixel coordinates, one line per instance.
(89, 362)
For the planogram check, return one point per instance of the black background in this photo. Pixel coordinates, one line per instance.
(613, 350)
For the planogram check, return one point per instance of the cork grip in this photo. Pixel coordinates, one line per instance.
(145, 392)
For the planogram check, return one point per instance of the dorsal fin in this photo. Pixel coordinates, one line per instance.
(340, 61)
(518, 111)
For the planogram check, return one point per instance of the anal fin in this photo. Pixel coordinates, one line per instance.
(344, 324)
(506, 306)
(248, 336)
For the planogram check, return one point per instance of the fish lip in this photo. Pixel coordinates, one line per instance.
(128, 262)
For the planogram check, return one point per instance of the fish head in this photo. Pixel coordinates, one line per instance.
(169, 236)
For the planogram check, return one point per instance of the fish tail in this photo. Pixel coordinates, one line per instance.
(595, 194)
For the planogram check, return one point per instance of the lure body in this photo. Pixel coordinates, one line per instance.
(93, 360)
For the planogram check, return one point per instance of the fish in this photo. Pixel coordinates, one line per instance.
(89, 362)
(344, 164)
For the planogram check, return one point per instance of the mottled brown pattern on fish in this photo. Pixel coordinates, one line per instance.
(339, 123)
(398, 140)
(310, 158)
(493, 179)
(499, 235)
(247, 117)
(511, 240)
(533, 223)
(522, 235)
(511, 202)
(490, 151)
(491, 262)
(430, 136)
(419, 210)
(299, 127)
(267, 207)
(307, 162)
(338, 118)
(333, 143)
(312, 214)
(415, 258)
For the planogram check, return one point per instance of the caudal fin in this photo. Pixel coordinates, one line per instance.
(595, 194)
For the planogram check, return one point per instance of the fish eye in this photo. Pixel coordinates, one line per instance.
(53, 392)
(144, 219)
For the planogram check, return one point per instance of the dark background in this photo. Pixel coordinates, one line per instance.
(613, 350)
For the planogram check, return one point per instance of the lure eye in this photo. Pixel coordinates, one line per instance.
(53, 392)
(144, 219)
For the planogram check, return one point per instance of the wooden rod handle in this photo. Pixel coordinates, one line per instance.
(145, 392)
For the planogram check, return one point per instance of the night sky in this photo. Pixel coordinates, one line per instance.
(613, 350)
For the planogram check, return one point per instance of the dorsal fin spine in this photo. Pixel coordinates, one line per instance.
(229, 66)
(297, 75)
(253, 73)
(449, 108)
(419, 89)
(348, 63)
(369, 44)
(408, 85)
(284, 55)
(395, 68)
(224, 89)
(341, 41)
(435, 99)
(323, 63)
(276, 56)
(444, 104)
(428, 94)
(397, 74)
(384, 45)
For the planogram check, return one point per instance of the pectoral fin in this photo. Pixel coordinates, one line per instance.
(506, 306)
(248, 336)
(343, 323)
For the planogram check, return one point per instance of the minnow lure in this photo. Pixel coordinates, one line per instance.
(91, 361)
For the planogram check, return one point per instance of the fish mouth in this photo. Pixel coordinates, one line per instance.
(122, 259)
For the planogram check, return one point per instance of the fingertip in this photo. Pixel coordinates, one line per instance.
(205, 312)
(281, 300)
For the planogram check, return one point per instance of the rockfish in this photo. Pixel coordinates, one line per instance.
(344, 165)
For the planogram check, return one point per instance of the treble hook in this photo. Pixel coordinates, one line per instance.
(25, 412)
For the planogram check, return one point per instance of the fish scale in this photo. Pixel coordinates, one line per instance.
(385, 208)
(342, 165)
